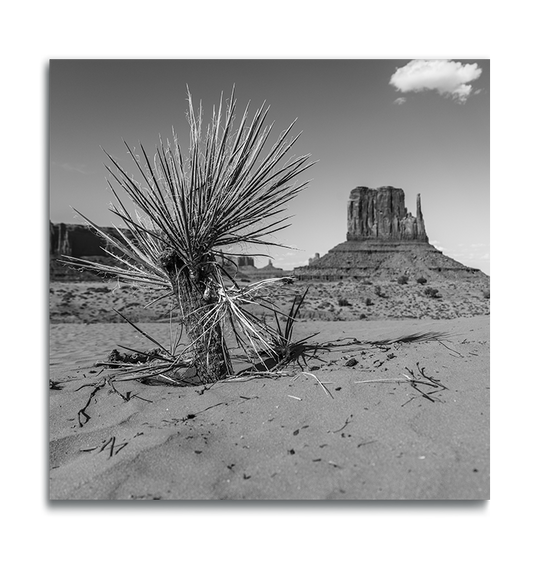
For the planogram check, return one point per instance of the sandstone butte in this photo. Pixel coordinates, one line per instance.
(384, 240)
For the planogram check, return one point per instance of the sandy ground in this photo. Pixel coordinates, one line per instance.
(348, 300)
(278, 438)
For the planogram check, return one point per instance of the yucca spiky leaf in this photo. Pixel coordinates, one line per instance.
(188, 211)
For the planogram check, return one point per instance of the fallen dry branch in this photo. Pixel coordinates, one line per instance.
(451, 349)
(128, 395)
(319, 382)
(348, 420)
(83, 412)
(413, 381)
(114, 449)
(349, 342)
(192, 416)
(431, 336)
(431, 379)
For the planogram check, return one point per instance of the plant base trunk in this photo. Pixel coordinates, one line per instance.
(195, 298)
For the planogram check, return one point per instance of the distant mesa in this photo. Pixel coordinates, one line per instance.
(81, 241)
(243, 268)
(77, 241)
(383, 240)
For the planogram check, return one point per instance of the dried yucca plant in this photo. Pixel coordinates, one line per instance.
(189, 211)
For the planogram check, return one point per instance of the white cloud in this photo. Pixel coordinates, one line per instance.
(399, 101)
(447, 77)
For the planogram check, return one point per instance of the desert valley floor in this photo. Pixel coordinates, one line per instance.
(346, 425)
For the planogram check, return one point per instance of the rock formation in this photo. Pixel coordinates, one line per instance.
(76, 241)
(315, 258)
(245, 261)
(381, 214)
(383, 241)
(244, 269)
(82, 242)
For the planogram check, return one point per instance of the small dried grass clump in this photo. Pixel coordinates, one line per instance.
(189, 211)
(432, 292)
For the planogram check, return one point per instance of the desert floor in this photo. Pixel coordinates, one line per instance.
(312, 434)
(336, 301)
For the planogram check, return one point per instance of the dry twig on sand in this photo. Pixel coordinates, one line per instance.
(83, 412)
(413, 381)
(316, 378)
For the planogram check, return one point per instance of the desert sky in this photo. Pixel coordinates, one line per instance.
(422, 125)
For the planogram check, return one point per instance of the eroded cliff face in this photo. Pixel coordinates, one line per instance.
(381, 214)
(79, 240)
(76, 241)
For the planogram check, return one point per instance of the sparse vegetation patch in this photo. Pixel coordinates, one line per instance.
(432, 292)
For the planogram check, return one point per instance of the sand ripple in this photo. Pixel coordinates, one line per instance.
(85, 344)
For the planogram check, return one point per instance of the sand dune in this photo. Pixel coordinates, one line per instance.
(277, 438)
